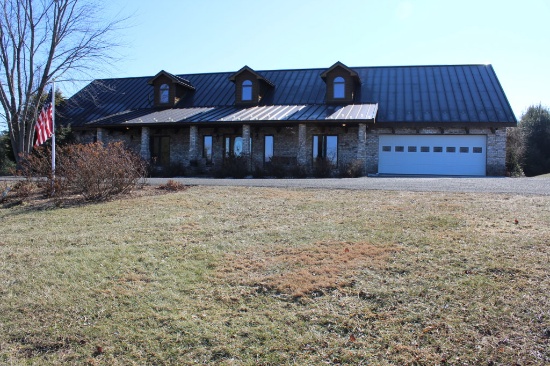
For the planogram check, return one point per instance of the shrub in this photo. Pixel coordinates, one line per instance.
(234, 167)
(7, 160)
(96, 171)
(352, 169)
(278, 167)
(173, 186)
(515, 150)
(173, 170)
(323, 168)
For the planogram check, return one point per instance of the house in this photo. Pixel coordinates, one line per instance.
(441, 120)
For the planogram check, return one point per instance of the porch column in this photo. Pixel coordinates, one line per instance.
(362, 144)
(193, 140)
(99, 134)
(302, 146)
(144, 150)
(246, 140)
(247, 153)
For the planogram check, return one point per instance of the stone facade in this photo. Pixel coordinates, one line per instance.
(292, 144)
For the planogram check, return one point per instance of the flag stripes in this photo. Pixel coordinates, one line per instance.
(44, 123)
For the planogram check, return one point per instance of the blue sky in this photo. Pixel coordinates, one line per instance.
(192, 36)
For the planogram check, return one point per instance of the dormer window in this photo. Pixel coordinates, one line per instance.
(169, 89)
(247, 90)
(250, 87)
(342, 84)
(339, 88)
(164, 94)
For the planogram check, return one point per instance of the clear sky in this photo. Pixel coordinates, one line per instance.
(196, 36)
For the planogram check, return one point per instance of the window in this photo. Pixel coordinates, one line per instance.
(325, 147)
(207, 148)
(477, 150)
(399, 148)
(339, 88)
(451, 149)
(268, 148)
(438, 149)
(465, 149)
(411, 149)
(160, 150)
(164, 96)
(424, 149)
(246, 90)
(233, 146)
(386, 148)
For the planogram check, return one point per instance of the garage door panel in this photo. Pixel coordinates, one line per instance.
(433, 154)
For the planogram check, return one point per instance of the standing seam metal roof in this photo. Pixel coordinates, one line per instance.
(403, 94)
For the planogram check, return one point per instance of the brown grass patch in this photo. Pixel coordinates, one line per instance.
(307, 270)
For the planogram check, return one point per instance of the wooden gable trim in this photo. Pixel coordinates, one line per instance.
(350, 83)
(259, 88)
(178, 88)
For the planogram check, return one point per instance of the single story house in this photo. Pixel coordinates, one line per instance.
(427, 120)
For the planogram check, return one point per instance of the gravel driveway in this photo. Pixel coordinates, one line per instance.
(530, 186)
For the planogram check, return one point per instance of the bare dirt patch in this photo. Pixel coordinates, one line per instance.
(309, 269)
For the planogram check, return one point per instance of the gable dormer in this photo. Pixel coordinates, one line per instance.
(341, 82)
(169, 89)
(250, 87)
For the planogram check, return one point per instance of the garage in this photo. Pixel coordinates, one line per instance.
(433, 154)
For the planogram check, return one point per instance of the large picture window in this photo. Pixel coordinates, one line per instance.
(325, 147)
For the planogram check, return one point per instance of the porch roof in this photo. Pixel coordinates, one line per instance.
(274, 113)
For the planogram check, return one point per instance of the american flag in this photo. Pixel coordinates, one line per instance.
(44, 123)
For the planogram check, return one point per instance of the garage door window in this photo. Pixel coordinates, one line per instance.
(411, 149)
(399, 149)
(386, 148)
(451, 149)
(477, 150)
(464, 149)
(438, 149)
(424, 149)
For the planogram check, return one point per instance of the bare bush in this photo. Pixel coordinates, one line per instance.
(233, 166)
(95, 171)
(99, 171)
(353, 169)
(323, 168)
(173, 186)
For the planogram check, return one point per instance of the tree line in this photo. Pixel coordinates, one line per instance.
(528, 145)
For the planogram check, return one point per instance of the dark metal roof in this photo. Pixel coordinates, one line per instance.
(403, 94)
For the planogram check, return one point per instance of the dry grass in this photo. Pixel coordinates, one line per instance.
(306, 270)
(194, 277)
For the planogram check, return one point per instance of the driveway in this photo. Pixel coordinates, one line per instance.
(529, 186)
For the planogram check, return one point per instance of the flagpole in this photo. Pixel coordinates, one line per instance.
(53, 137)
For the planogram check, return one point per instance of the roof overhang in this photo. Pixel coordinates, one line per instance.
(359, 113)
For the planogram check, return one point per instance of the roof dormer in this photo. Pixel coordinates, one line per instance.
(250, 86)
(169, 89)
(342, 83)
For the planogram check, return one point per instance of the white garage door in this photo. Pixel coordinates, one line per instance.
(433, 154)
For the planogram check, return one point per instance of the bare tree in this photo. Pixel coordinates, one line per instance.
(41, 40)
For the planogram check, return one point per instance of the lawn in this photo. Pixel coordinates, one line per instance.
(263, 276)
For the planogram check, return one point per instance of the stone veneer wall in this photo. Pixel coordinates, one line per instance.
(286, 144)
